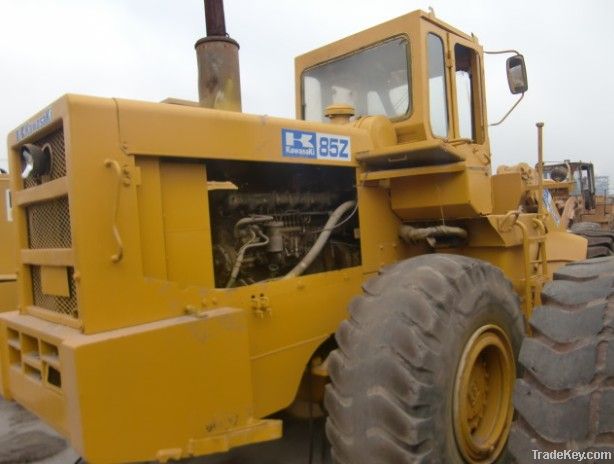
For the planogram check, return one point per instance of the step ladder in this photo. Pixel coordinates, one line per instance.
(535, 268)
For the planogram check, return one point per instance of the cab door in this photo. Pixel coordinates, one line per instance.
(467, 90)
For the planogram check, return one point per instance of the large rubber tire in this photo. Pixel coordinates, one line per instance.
(393, 375)
(584, 226)
(565, 401)
(600, 242)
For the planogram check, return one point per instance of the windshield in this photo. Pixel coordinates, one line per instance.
(374, 81)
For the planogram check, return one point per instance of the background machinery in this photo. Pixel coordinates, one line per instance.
(584, 208)
(577, 179)
(204, 294)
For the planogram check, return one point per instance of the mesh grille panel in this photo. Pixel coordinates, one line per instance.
(58, 158)
(49, 227)
(49, 224)
(58, 304)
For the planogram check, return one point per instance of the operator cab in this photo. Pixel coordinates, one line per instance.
(421, 74)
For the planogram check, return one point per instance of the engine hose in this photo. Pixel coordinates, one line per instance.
(241, 255)
(251, 220)
(317, 247)
(413, 234)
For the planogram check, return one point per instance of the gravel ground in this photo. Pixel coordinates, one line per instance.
(26, 440)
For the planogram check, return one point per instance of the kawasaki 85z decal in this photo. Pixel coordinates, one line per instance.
(315, 145)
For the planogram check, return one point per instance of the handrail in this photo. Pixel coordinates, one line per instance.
(109, 163)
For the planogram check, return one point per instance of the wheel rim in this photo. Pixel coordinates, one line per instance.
(483, 395)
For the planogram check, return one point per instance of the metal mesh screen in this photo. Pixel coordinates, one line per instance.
(49, 224)
(49, 227)
(58, 304)
(58, 158)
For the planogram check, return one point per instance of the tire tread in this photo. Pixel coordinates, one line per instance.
(389, 358)
(565, 399)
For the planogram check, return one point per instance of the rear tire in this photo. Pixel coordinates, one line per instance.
(578, 227)
(565, 401)
(600, 242)
(394, 385)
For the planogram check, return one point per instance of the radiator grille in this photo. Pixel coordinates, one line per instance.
(49, 224)
(58, 304)
(58, 158)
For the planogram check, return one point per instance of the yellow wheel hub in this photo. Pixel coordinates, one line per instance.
(483, 395)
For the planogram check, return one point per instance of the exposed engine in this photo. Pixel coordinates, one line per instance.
(277, 220)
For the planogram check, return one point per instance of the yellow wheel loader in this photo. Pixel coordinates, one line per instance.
(185, 269)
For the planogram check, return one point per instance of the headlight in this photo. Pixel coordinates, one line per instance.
(35, 161)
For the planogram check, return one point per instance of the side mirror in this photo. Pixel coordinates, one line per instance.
(516, 74)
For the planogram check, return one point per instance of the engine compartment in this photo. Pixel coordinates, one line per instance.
(274, 220)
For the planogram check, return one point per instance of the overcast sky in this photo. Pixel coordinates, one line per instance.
(144, 50)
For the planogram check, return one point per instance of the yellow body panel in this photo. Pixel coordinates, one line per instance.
(8, 249)
(438, 196)
(8, 293)
(8, 266)
(172, 359)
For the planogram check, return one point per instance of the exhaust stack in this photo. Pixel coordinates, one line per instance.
(219, 85)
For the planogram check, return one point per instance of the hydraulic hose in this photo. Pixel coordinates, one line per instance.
(252, 243)
(413, 234)
(317, 247)
(251, 220)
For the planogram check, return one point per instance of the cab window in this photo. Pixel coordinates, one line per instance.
(438, 103)
(466, 62)
(374, 80)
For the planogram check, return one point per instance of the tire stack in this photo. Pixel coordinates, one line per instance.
(600, 242)
(565, 400)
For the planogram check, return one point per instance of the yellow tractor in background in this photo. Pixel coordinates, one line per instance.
(185, 268)
(8, 248)
(583, 209)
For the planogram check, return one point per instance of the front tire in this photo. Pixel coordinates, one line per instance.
(565, 401)
(426, 365)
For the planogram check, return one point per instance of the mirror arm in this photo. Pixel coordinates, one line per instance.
(505, 52)
(508, 113)
(502, 52)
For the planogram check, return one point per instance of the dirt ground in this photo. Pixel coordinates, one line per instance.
(25, 439)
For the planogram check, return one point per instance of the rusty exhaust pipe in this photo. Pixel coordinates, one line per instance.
(219, 84)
